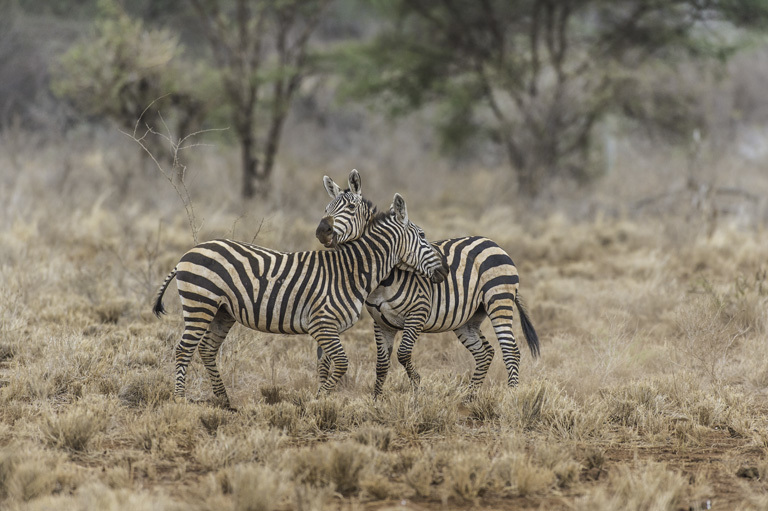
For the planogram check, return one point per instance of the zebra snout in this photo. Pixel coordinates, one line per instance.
(439, 274)
(324, 232)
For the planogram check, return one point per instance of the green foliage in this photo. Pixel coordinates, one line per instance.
(537, 77)
(120, 67)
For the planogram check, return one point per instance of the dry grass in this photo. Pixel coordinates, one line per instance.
(650, 392)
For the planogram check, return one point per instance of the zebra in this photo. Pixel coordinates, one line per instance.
(482, 282)
(321, 293)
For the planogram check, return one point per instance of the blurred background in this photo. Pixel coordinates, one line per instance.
(581, 108)
(594, 140)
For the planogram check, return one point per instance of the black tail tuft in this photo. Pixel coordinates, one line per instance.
(158, 309)
(528, 331)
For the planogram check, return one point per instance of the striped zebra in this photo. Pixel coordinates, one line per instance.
(320, 293)
(482, 282)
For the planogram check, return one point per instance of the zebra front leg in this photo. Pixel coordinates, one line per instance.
(329, 341)
(385, 341)
(209, 349)
(413, 327)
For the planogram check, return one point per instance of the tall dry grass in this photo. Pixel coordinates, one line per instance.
(650, 392)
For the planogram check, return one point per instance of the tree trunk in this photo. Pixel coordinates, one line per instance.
(523, 167)
(250, 165)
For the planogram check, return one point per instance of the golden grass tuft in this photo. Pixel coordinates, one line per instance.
(340, 465)
(74, 429)
(651, 362)
(647, 486)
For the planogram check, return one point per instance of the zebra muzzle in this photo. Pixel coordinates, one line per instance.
(324, 233)
(440, 274)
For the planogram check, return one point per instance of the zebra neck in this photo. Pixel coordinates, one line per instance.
(374, 255)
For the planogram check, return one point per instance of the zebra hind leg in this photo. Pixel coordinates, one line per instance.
(209, 349)
(472, 338)
(195, 327)
(323, 365)
(385, 340)
(502, 325)
(334, 351)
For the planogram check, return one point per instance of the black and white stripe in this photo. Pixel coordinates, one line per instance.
(320, 292)
(482, 282)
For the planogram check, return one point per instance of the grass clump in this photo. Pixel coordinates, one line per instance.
(229, 449)
(146, 389)
(638, 488)
(73, 430)
(256, 488)
(337, 464)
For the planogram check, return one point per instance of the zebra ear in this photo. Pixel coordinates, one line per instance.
(355, 186)
(398, 206)
(331, 187)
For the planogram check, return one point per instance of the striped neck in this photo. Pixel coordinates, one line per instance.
(375, 254)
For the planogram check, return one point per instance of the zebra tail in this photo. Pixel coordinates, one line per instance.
(528, 331)
(158, 309)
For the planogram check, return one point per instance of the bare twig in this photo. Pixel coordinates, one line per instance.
(178, 169)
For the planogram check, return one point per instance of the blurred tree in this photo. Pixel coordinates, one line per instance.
(261, 51)
(537, 75)
(120, 69)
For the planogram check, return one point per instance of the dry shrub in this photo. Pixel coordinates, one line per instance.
(167, 428)
(10, 457)
(706, 334)
(283, 416)
(256, 488)
(149, 388)
(111, 310)
(338, 464)
(39, 382)
(231, 449)
(423, 478)
(272, 394)
(431, 410)
(466, 478)
(426, 475)
(101, 497)
(377, 486)
(377, 437)
(31, 480)
(27, 475)
(747, 302)
(558, 459)
(213, 418)
(514, 473)
(307, 497)
(642, 487)
(73, 429)
(544, 407)
(324, 413)
(485, 404)
(639, 406)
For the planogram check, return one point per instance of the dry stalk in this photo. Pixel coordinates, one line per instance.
(176, 174)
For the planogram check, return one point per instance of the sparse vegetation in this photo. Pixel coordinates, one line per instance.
(651, 391)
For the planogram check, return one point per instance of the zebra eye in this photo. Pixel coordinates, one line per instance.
(350, 207)
(422, 235)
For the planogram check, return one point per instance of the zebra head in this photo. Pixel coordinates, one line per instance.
(416, 252)
(347, 214)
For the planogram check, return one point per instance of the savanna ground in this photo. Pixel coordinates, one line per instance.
(650, 392)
